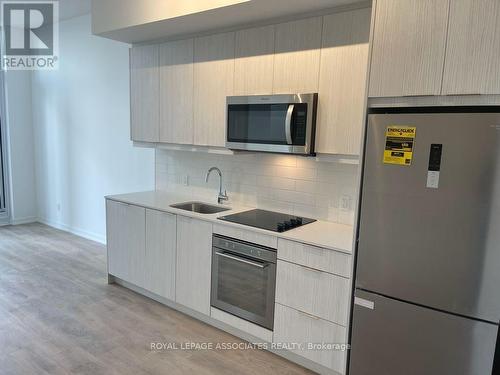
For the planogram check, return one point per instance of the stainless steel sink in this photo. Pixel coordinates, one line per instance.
(200, 207)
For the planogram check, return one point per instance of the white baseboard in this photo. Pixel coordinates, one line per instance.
(77, 231)
(23, 220)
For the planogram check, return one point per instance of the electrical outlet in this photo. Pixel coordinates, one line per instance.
(185, 180)
(59, 207)
(345, 202)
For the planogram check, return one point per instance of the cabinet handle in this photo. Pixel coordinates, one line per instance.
(241, 260)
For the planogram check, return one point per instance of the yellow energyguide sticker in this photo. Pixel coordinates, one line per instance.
(399, 142)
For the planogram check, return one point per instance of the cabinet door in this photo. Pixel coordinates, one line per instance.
(194, 254)
(160, 253)
(254, 58)
(342, 84)
(473, 48)
(297, 55)
(144, 94)
(213, 81)
(126, 241)
(176, 92)
(408, 47)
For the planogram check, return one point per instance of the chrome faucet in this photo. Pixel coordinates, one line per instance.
(222, 195)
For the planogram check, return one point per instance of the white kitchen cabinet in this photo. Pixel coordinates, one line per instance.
(254, 59)
(193, 271)
(161, 233)
(312, 291)
(315, 257)
(213, 81)
(126, 234)
(342, 83)
(473, 49)
(408, 47)
(297, 56)
(144, 94)
(246, 235)
(293, 326)
(176, 92)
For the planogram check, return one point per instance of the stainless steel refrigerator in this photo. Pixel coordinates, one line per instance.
(427, 297)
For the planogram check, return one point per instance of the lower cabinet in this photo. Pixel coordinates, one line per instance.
(126, 239)
(194, 254)
(170, 256)
(311, 333)
(161, 233)
(314, 292)
(142, 247)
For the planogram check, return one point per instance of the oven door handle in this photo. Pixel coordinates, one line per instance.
(288, 124)
(241, 260)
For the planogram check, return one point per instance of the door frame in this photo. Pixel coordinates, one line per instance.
(4, 159)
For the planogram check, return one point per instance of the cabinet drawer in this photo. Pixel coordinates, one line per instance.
(292, 326)
(315, 257)
(246, 235)
(318, 293)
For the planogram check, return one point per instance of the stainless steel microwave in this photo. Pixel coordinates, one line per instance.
(272, 123)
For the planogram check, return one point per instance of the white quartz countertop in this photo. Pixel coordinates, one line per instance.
(324, 234)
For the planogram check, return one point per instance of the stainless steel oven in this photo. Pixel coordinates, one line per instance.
(272, 123)
(244, 280)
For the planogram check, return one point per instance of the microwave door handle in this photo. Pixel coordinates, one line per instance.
(288, 124)
(241, 260)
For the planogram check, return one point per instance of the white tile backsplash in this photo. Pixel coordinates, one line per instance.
(290, 184)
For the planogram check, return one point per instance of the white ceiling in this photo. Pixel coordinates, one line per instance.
(73, 8)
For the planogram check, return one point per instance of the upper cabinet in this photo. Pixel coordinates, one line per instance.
(435, 47)
(144, 94)
(297, 56)
(176, 92)
(254, 61)
(342, 82)
(408, 47)
(213, 81)
(472, 64)
(179, 88)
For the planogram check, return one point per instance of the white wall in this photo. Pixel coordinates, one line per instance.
(21, 167)
(81, 132)
(291, 184)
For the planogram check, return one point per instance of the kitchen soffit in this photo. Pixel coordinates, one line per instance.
(131, 29)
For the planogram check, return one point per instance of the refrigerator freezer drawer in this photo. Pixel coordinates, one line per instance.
(393, 338)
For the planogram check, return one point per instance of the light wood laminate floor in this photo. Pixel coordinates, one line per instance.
(58, 315)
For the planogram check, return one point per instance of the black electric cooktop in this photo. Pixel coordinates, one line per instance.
(273, 221)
